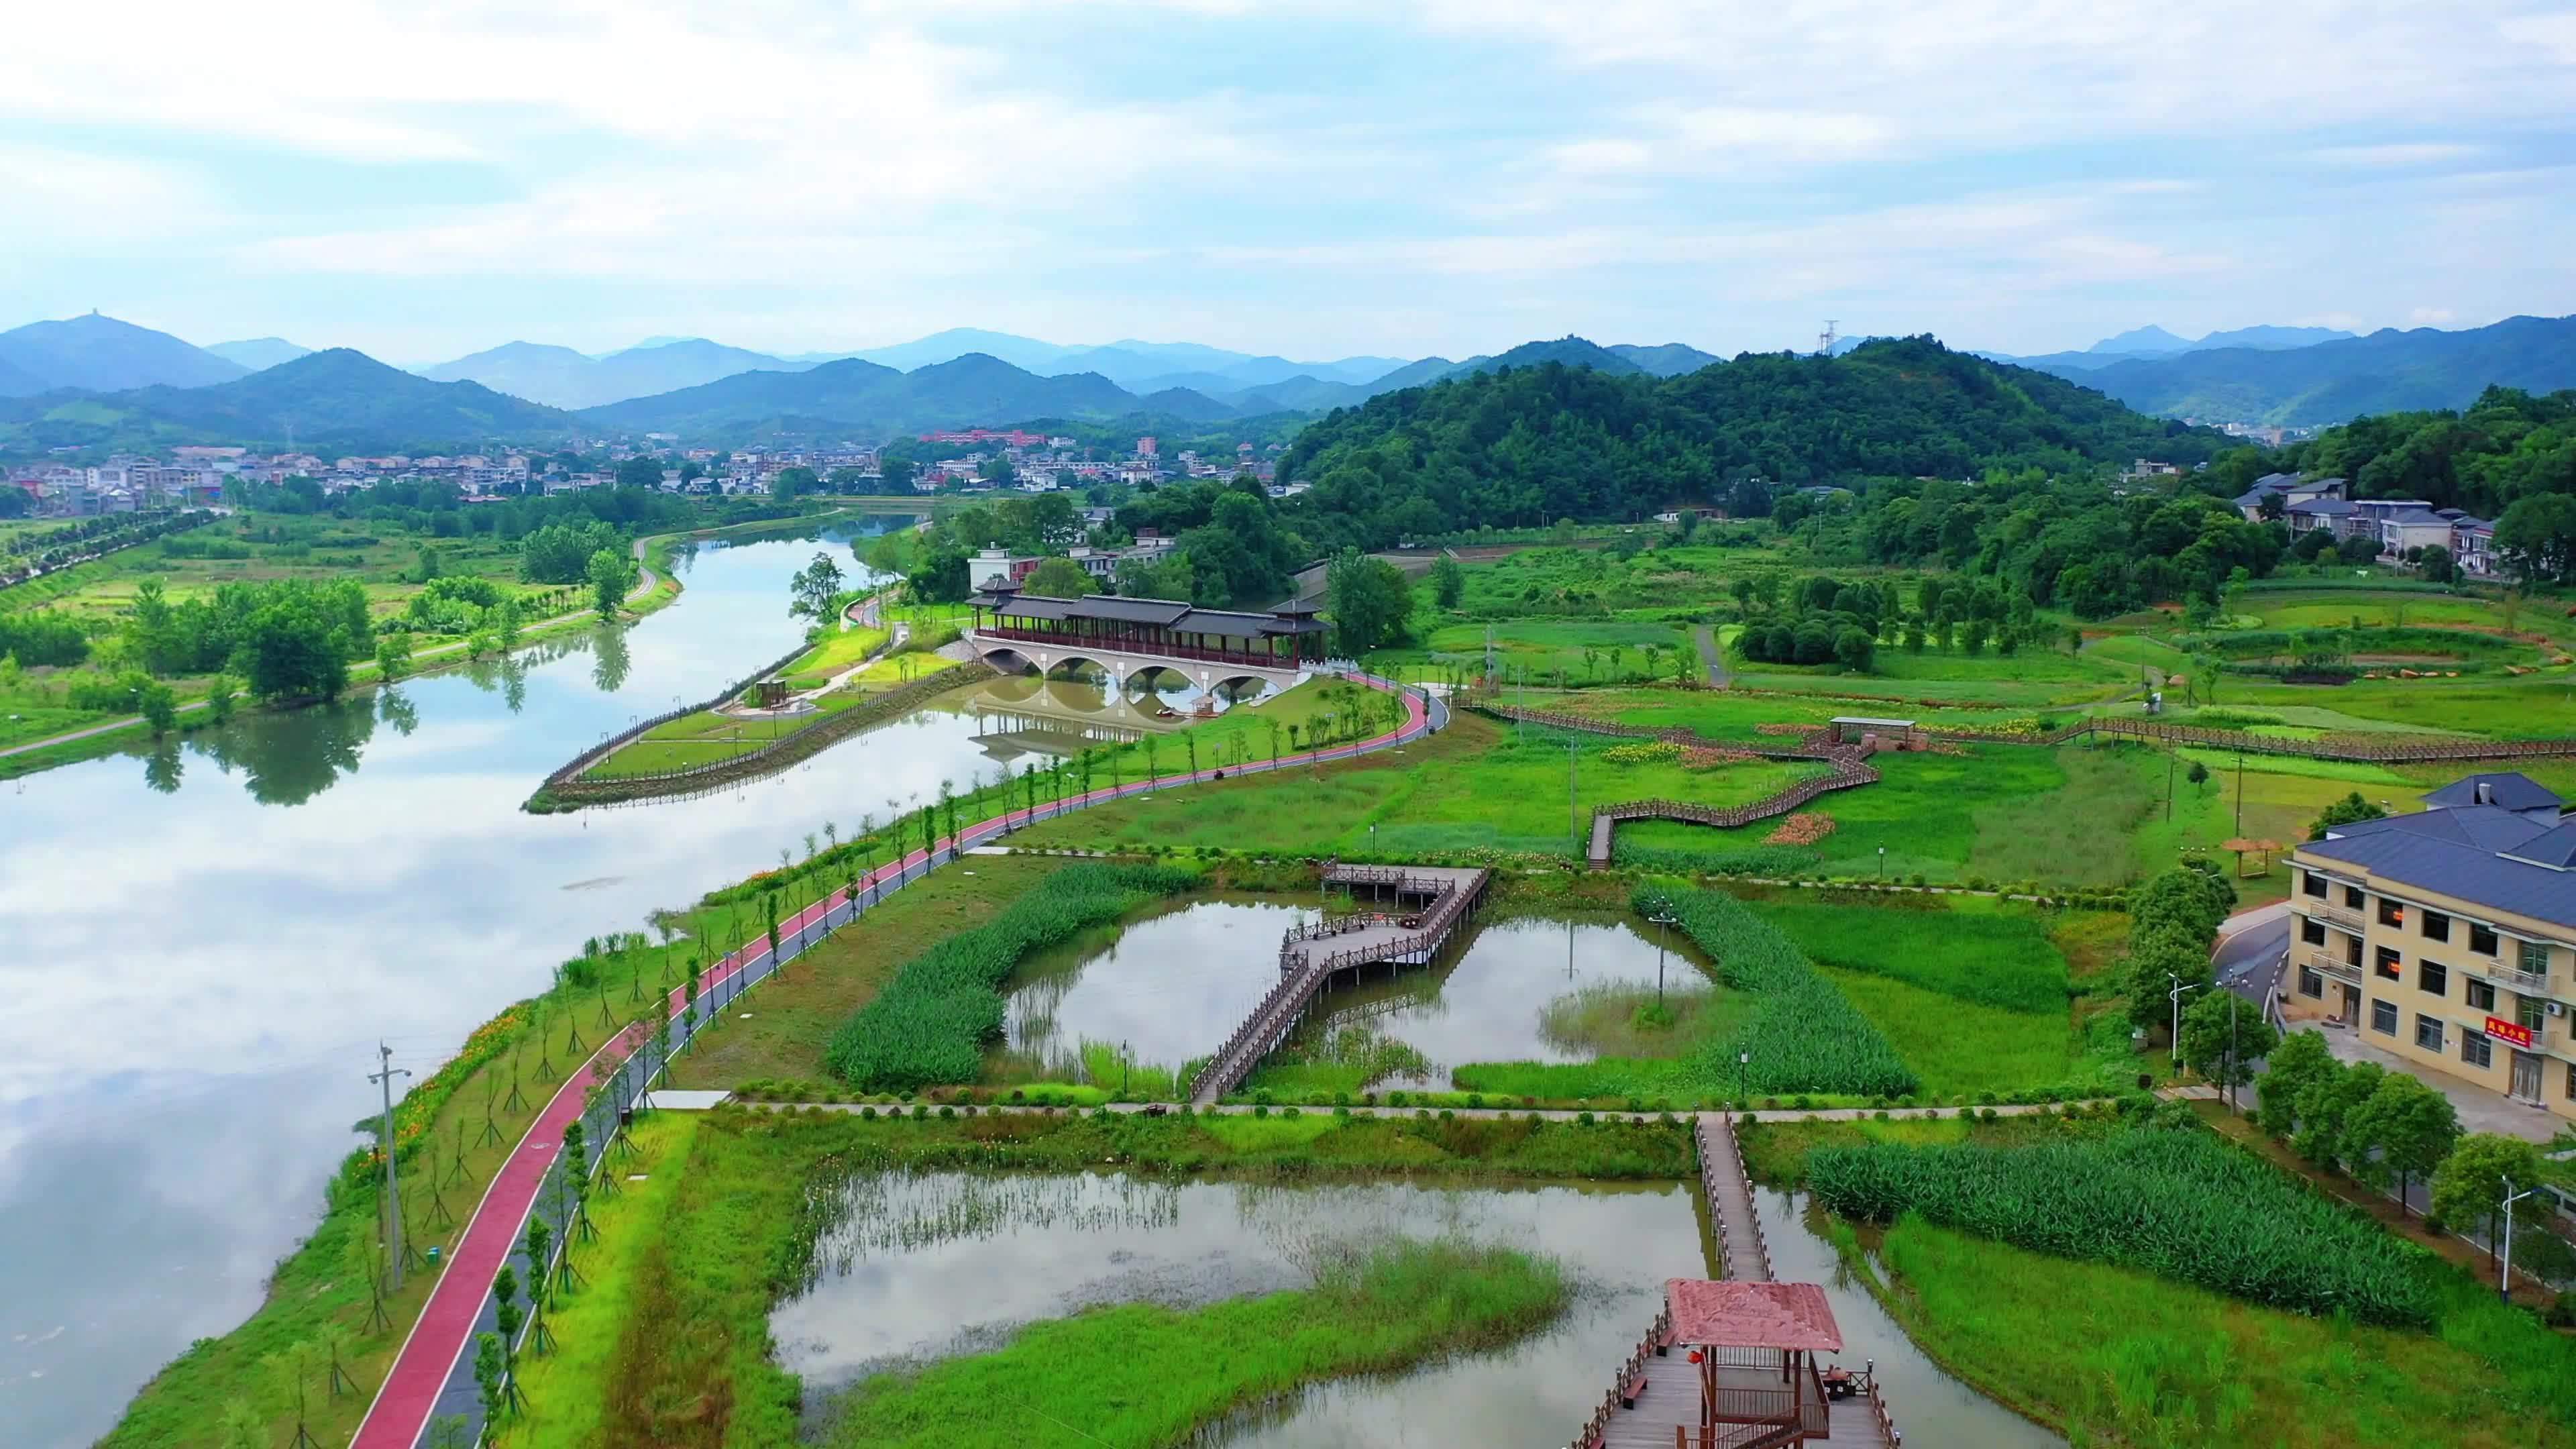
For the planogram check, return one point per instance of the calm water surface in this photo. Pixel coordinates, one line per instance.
(935, 1265)
(208, 940)
(1170, 986)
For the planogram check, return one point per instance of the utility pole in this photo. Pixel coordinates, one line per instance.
(1574, 812)
(1663, 919)
(2179, 987)
(384, 1079)
(2504, 1281)
(2240, 793)
(2169, 777)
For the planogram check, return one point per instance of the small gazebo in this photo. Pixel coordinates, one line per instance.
(1754, 1347)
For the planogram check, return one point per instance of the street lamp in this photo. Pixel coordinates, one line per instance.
(1663, 918)
(1882, 862)
(2180, 986)
(2504, 1281)
(1126, 1061)
(1743, 1076)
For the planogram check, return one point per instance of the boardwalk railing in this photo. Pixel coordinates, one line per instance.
(1849, 771)
(1590, 1435)
(1719, 1190)
(1299, 981)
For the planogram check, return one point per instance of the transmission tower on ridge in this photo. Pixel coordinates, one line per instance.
(1825, 340)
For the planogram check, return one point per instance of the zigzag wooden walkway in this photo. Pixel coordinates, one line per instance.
(1309, 956)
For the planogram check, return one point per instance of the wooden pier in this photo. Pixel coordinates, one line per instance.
(1429, 903)
(1729, 1397)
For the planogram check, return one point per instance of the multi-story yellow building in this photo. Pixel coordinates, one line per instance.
(2448, 936)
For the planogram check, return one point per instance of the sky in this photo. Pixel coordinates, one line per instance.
(1312, 178)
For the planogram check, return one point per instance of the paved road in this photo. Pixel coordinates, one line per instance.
(1708, 655)
(649, 578)
(2248, 958)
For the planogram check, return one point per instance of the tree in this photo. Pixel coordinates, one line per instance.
(506, 621)
(2325, 1104)
(2400, 1132)
(1370, 600)
(392, 659)
(2469, 1185)
(793, 482)
(297, 644)
(2436, 564)
(611, 575)
(158, 706)
(814, 588)
(644, 470)
(1855, 648)
(1448, 581)
(219, 698)
(2349, 810)
(2222, 1034)
(1058, 578)
(846, 479)
(2150, 978)
(895, 472)
(2301, 1060)
(2536, 538)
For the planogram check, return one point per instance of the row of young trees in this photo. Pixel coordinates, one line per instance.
(1819, 620)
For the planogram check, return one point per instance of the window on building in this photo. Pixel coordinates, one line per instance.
(2436, 926)
(2531, 1013)
(2383, 1017)
(2428, 1032)
(2391, 913)
(2390, 964)
(2434, 977)
(2571, 1081)
(2482, 940)
(2313, 884)
(2312, 930)
(2476, 1050)
(2481, 994)
(2535, 957)
(2310, 983)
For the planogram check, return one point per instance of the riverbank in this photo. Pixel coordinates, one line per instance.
(656, 588)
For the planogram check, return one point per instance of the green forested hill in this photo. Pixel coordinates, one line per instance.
(1531, 445)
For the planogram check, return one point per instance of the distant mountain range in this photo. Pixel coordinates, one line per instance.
(2335, 381)
(337, 400)
(97, 381)
(2153, 341)
(101, 354)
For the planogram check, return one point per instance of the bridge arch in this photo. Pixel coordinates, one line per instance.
(1080, 666)
(1010, 661)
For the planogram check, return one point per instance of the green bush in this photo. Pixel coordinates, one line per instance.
(2182, 1204)
(929, 1024)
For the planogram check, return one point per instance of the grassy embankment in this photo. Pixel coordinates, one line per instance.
(2125, 1355)
(687, 1274)
(448, 1160)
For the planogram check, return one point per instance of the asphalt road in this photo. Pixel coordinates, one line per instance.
(2249, 958)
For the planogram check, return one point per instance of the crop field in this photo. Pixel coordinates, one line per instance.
(1971, 948)
(2179, 1203)
(2121, 1355)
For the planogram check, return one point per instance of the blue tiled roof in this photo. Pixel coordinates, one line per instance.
(2511, 789)
(2436, 856)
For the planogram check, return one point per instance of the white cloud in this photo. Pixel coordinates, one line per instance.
(2432, 316)
(2408, 153)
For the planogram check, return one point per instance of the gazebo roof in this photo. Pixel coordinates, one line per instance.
(1734, 1314)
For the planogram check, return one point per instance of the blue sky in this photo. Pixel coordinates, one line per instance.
(1316, 179)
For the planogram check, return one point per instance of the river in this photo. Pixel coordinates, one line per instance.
(208, 940)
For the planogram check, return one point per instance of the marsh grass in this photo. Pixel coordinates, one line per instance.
(1142, 1375)
(2114, 1355)
(1621, 1019)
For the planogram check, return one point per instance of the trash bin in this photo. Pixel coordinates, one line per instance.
(432, 1255)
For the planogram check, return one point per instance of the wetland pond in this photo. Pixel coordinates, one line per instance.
(1174, 982)
(925, 1266)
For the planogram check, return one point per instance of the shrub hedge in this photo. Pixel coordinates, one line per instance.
(1802, 1036)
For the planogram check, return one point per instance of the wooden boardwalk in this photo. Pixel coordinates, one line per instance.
(1405, 935)
(1654, 1399)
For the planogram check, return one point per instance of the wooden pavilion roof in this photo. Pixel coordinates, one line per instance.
(1743, 1314)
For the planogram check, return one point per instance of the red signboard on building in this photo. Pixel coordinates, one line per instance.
(2507, 1031)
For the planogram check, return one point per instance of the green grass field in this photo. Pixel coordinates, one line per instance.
(1544, 647)
(2116, 1356)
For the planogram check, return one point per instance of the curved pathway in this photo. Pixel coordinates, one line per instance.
(432, 1374)
(1708, 656)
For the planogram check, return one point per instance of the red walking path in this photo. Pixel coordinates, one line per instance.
(432, 1373)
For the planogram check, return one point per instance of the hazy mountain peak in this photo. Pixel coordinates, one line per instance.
(102, 354)
(2147, 339)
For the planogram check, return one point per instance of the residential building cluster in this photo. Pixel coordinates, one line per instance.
(2448, 936)
(2397, 524)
